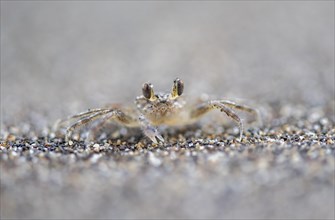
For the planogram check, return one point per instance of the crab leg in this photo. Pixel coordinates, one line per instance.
(237, 106)
(208, 106)
(245, 108)
(106, 114)
(84, 121)
(80, 116)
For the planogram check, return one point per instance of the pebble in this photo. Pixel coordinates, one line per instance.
(280, 143)
(153, 160)
(96, 147)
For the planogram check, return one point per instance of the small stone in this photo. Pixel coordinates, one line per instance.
(215, 157)
(96, 147)
(95, 158)
(330, 141)
(11, 137)
(139, 145)
(173, 155)
(153, 160)
(324, 121)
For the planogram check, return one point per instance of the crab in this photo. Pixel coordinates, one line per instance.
(155, 109)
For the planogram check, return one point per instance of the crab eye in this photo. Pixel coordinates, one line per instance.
(178, 88)
(147, 90)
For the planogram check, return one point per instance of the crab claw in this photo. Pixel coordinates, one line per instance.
(153, 134)
(160, 138)
(150, 131)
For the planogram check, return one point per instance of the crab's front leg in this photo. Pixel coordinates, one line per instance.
(149, 130)
(104, 115)
(244, 108)
(203, 108)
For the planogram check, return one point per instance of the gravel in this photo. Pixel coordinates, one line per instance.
(284, 169)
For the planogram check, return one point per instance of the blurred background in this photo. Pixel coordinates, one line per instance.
(59, 57)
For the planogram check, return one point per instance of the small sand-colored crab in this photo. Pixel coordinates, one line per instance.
(154, 109)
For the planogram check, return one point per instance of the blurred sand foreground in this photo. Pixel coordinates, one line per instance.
(60, 58)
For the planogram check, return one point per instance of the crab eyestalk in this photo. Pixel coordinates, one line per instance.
(177, 89)
(148, 91)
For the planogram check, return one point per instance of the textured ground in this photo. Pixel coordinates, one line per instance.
(283, 170)
(59, 58)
